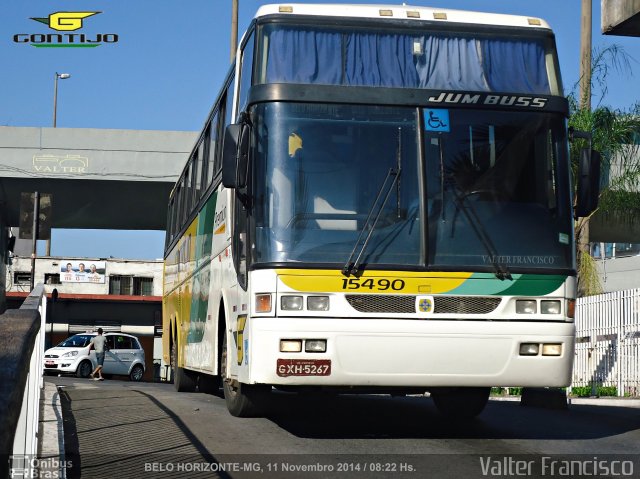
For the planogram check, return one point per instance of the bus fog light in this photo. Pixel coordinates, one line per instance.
(550, 307)
(526, 306)
(318, 303)
(263, 303)
(290, 345)
(291, 303)
(552, 349)
(529, 349)
(315, 345)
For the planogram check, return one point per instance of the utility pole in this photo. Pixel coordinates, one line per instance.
(34, 236)
(582, 225)
(585, 55)
(234, 28)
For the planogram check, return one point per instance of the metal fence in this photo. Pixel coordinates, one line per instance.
(26, 438)
(608, 342)
(22, 346)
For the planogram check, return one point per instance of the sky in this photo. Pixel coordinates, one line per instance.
(167, 67)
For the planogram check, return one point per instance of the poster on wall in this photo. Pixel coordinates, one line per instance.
(82, 272)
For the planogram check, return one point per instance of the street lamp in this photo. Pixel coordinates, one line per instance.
(62, 76)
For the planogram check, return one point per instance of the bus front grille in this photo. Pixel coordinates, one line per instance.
(464, 304)
(382, 303)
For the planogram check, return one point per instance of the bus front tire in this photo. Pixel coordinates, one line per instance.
(243, 400)
(461, 403)
(246, 400)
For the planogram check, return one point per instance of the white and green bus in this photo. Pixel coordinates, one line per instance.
(380, 201)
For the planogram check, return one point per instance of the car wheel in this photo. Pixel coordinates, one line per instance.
(136, 373)
(84, 369)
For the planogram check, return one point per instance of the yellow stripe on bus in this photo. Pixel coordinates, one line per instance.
(378, 282)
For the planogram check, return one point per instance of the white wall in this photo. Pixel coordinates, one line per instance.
(51, 265)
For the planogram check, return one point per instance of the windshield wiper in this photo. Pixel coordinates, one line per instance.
(350, 267)
(501, 270)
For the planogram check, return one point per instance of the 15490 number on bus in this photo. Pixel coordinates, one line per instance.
(377, 284)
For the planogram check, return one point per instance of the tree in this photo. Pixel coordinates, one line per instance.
(615, 134)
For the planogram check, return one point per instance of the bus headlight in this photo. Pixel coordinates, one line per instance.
(318, 303)
(552, 349)
(291, 303)
(550, 307)
(315, 345)
(290, 345)
(529, 349)
(526, 306)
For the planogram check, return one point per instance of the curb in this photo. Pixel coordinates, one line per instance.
(51, 439)
(591, 401)
(606, 401)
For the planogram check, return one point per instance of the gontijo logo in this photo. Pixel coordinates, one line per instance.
(65, 22)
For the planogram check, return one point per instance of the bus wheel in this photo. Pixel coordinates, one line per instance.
(183, 380)
(461, 403)
(243, 400)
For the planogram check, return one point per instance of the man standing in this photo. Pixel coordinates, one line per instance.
(99, 344)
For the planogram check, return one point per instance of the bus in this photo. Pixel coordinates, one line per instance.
(380, 201)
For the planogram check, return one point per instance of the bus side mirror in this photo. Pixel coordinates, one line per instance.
(235, 156)
(588, 182)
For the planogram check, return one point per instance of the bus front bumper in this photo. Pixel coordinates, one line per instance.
(408, 353)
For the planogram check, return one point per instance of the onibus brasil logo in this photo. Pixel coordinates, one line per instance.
(65, 22)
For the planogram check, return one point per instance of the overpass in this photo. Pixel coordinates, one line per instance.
(99, 178)
(121, 179)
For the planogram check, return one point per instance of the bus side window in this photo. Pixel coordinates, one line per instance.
(246, 73)
(229, 115)
(214, 162)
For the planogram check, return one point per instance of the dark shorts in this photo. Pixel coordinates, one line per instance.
(100, 359)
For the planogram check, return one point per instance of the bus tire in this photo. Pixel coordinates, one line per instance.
(183, 380)
(243, 400)
(461, 403)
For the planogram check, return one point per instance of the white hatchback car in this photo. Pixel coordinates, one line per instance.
(74, 356)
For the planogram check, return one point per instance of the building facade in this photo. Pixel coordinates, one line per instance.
(118, 295)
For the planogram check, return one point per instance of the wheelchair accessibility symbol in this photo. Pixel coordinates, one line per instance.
(436, 120)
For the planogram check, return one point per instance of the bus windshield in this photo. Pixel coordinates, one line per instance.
(487, 193)
(402, 58)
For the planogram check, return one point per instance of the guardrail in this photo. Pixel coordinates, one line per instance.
(22, 332)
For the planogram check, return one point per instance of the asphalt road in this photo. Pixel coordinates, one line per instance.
(127, 429)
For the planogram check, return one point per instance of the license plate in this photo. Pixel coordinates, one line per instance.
(303, 367)
(49, 364)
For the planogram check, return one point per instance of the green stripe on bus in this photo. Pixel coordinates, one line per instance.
(519, 285)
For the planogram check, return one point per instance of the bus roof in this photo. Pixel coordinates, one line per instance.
(402, 12)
